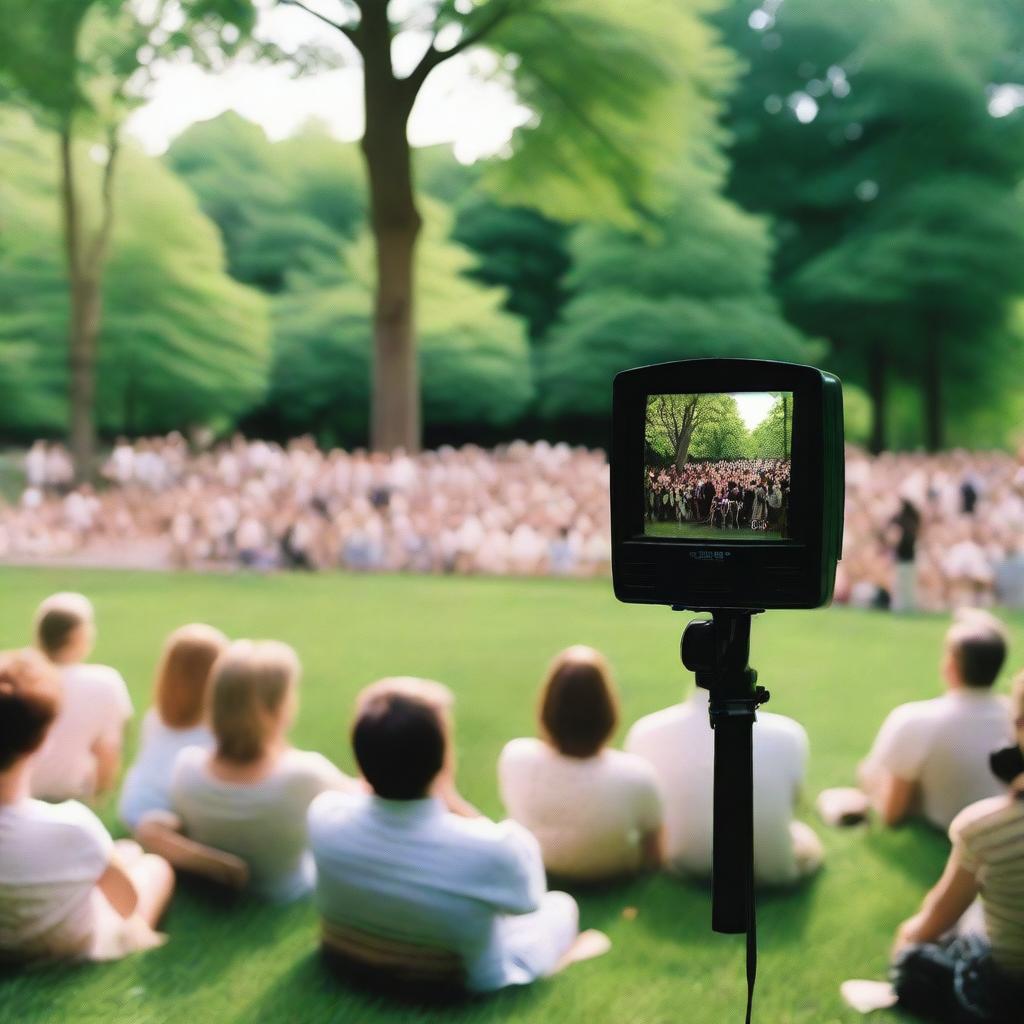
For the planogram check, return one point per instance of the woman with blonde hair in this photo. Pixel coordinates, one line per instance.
(175, 720)
(595, 811)
(248, 797)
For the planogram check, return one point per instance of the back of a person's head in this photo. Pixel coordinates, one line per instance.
(579, 708)
(30, 695)
(59, 621)
(184, 673)
(399, 742)
(977, 643)
(249, 684)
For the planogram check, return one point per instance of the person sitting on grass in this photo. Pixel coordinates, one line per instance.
(679, 744)
(931, 757)
(951, 963)
(82, 755)
(412, 880)
(67, 890)
(174, 722)
(239, 811)
(596, 812)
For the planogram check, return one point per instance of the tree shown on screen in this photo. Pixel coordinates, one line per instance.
(771, 438)
(681, 427)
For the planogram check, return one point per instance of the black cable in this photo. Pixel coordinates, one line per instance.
(751, 940)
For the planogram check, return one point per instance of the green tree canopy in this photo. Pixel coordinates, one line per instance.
(706, 426)
(181, 343)
(282, 207)
(696, 284)
(772, 437)
(519, 250)
(475, 358)
(865, 130)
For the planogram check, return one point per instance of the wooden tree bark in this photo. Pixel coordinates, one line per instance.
(683, 448)
(395, 418)
(877, 388)
(86, 262)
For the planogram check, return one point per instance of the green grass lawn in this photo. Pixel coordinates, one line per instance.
(237, 962)
(700, 531)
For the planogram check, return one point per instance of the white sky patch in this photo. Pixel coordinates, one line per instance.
(754, 406)
(466, 102)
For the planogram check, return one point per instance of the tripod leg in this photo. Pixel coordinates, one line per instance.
(733, 822)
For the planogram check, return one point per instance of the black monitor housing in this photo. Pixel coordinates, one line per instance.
(718, 570)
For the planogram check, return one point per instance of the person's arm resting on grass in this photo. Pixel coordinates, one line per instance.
(161, 832)
(889, 774)
(950, 897)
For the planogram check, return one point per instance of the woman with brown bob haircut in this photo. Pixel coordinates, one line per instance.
(174, 722)
(595, 811)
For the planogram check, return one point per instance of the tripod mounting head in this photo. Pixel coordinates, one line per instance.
(716, 650)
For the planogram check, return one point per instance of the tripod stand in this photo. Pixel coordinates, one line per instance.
(717, 651)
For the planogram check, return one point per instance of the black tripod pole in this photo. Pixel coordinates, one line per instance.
(717, 651)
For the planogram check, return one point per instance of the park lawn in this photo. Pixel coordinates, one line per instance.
(702, 531)
(237, 962)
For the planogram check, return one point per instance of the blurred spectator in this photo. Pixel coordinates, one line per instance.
(516, 509)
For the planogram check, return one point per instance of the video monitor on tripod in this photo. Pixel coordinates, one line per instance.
(726, 484)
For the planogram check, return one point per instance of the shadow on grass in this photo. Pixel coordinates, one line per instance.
(916, 849)
(321, 983)
(211, 930)
(678, 909)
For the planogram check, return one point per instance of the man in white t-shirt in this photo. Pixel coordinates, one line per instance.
(82, 754)
(931, 756)
(679, 743)
(407, 867)
(66, 889)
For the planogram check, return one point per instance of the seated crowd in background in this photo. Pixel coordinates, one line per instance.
(922, 531)
(406, 874)
(744, 494)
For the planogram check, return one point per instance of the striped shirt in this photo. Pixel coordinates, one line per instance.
(988, 842)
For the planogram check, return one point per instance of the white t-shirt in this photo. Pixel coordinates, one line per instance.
(679, 743)
(588, 814)
(147, 786)
(411, 871)
(95, 706)
(51, 857)
(262, 822)
(944, 744)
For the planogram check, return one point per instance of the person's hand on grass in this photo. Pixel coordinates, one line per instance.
(908, 933)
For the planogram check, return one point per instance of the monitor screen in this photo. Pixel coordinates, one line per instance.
(716, 466)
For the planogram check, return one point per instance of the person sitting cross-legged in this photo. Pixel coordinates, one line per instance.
(595, 811)
(679, 744)
(81, 758)
(961, 957)
(67, 890)
(931, 757)
(412, 880)
(238, 812)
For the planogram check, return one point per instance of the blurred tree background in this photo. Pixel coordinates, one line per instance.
(838, 183)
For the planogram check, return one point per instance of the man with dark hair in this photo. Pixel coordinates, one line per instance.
(410, 876)
(931, 756)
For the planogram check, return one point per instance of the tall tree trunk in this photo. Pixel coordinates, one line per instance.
(934, 412)
(877, 385)
(85, 264)
(683, 449)
(395, 419)
(785, 427)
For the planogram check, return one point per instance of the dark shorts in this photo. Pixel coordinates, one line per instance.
(956, 982)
